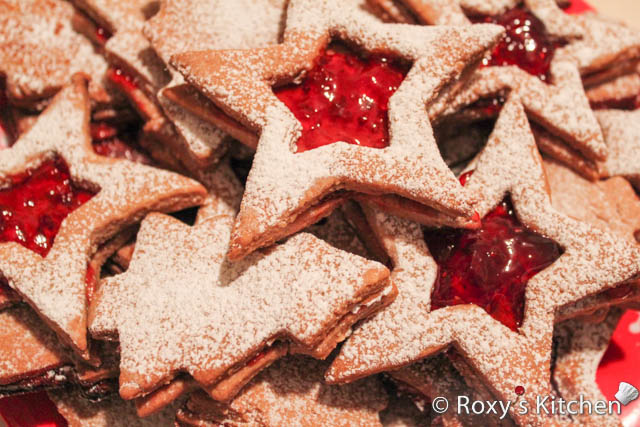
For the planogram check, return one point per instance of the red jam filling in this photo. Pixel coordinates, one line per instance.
(102, 35)
(34, 204)
(90, 282)
(344, 97)
(110, 141)
(119, 149)
(577, 7)
(121, 79)
(526, 43)
(101, 131)
(490, 266)
(258, 357)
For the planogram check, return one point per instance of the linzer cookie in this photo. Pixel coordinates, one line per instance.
(437, 377)
(138, 71)
(40, 50)
(192, 25)
(291, 392)
(120, 24)
(600, 47)
(114, 412)
(580, 346)
(302, 279)
(93, 198)
(620, 92)
(299, 175)
(33, 359)
(532, 61)
(32, 356)
(571, 260)
(182, 26)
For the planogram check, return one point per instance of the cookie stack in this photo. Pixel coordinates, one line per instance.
(315, 212)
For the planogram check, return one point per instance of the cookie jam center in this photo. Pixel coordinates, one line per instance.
(345, 97)
(526, 43)
(35, 202)
(490, 266)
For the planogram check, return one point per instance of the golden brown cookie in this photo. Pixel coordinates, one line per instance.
(40, 50)
(410, 329)
(287, 190)
(113, 412)
(579, 350)
(291, 392)
(115, 193)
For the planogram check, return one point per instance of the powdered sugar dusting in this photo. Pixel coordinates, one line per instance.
(598, 43)
(184, 25)
(55, 285)
(291, 392)
(240, 82)
(610, 203)
(407, 331)
(39, 50)
(170, 308)
(560, 107)
(28, 345)
(621, 130)
(580, 347)
(117, 15)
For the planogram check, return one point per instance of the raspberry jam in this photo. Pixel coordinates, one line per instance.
(102, 35)
(120, 143)
(34, 204)
(119, 149)
(526, 43)
(345, 97)
(121, 79)
(577, 7)
(490, 266)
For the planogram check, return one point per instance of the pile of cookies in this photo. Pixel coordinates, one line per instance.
(314, 212)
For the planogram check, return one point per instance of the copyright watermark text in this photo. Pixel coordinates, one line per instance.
(543, 405)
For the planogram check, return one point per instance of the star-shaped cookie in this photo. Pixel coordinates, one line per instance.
(287, 191)
(126, 191)
(409, 330)
(181, 26)
(292, 389)
(40, 50)
(301, 297)
(140, 73)
(600, 47)
(560, 108)
(125, 45)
